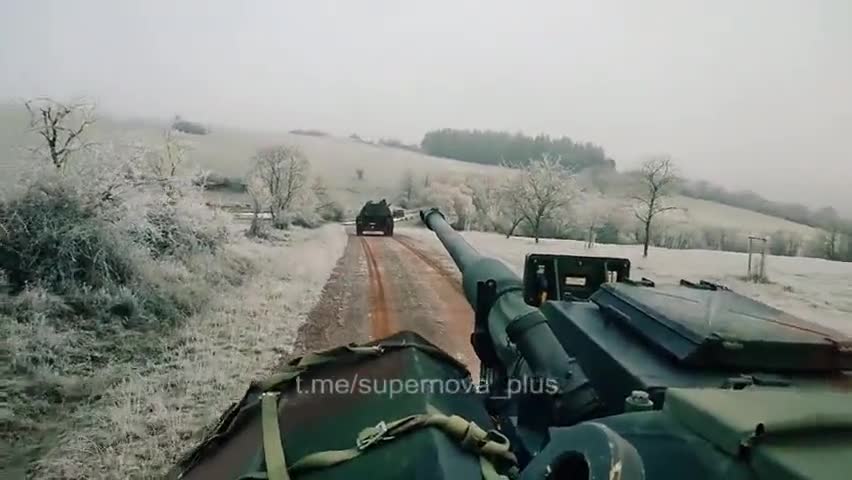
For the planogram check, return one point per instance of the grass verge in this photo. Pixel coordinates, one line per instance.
(139, 425)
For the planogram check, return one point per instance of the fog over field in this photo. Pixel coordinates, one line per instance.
(746, 94)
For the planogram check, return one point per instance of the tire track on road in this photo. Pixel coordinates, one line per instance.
(456, 314)
(380, 321)
(383, 285)
(432, 263)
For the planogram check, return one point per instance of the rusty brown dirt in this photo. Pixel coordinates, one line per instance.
(382, 285)
(450, 276)
(380, 321)
(339, 316)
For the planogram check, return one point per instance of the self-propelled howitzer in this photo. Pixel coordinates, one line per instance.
(683, 381)
(586, 374)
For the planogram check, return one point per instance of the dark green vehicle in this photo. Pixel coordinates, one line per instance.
(375, 217)
(585, 373)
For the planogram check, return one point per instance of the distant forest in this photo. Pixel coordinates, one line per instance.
(516, 149)
(494, 148)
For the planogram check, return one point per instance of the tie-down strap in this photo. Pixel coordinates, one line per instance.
(239, 413)
(490, 446)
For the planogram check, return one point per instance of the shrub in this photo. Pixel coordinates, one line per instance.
(607, 233)
(51, 238)
(192, 128)
(306, 218)
(215, 182)
(394, 143)
(98, 263)
(332, 212)
(33, 301)
(168, 232)
(109, 259)
(309, 132)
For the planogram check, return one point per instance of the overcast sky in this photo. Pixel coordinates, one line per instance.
(748, 93)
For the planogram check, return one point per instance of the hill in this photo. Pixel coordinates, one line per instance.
(354, 171)
(228, 152)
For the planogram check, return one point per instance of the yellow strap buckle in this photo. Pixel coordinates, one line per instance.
(372, 435)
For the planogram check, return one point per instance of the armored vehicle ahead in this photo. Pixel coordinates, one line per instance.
(374, 217)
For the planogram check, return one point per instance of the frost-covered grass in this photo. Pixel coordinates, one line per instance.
(115, 285)
(143, 423)
(814, 289)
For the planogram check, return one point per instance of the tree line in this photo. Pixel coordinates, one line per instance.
(496, 147)
(545, 199)
(186, 126)
(838, 230)
(748, 200)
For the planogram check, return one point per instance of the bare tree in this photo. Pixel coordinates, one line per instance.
(511, 209)
(61, 126)
(408, 187)
(541, 188)
(485, 195)
(257, 192)
(832, 232)
(463, 209)
(283, 172)
(657, 177)
(165, 163)
(107, 174)
(162, 164)
(595, 212)
(326, 205)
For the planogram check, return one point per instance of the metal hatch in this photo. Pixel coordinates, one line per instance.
(716, 327)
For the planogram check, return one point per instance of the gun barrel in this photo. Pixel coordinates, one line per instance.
(473, 266)
(509, 318)
(461, 251)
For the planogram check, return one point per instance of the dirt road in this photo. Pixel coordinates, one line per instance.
(382, 285)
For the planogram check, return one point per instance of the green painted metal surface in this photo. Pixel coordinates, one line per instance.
(704, 327)
(326, 410)
(780, 433)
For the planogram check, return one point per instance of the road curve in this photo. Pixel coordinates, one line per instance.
(382, 285)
